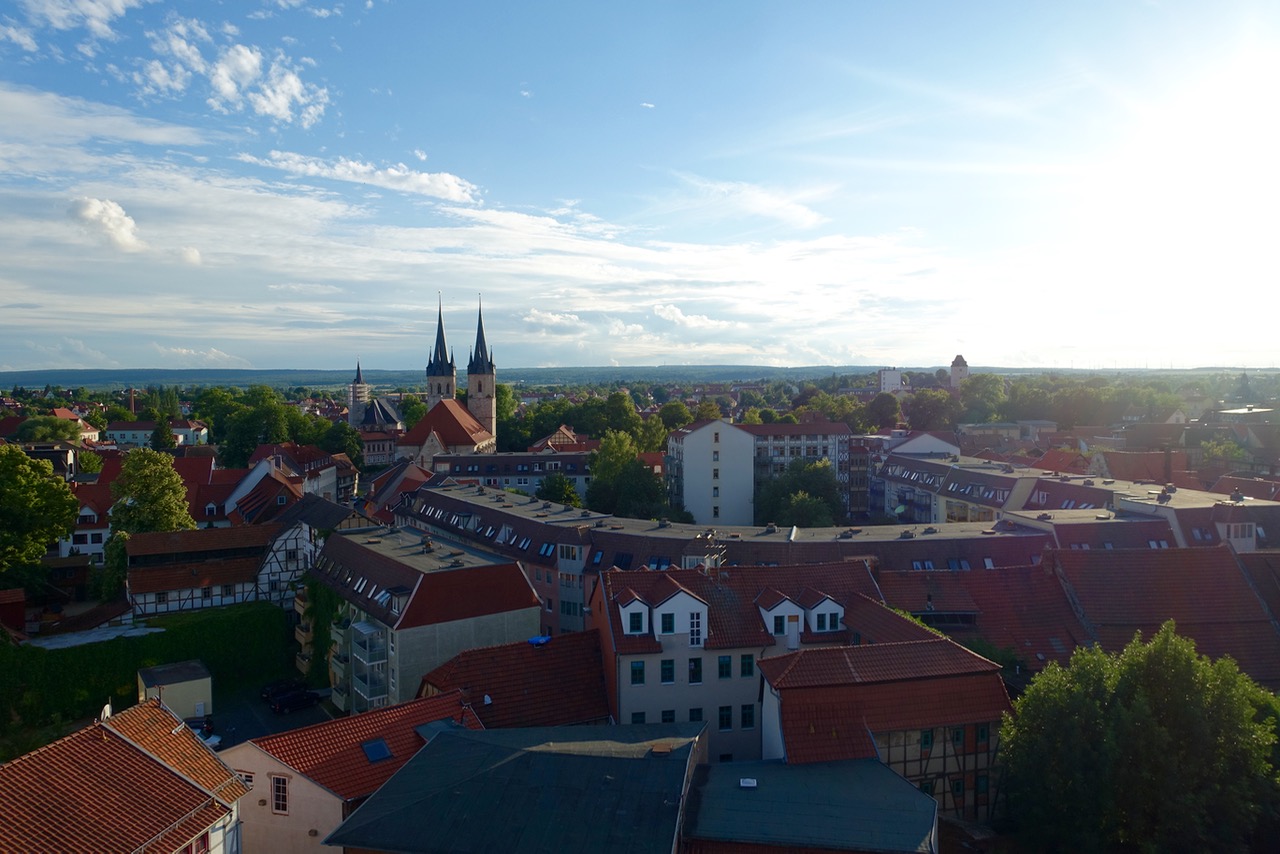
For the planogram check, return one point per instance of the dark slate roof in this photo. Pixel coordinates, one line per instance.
(441, 361)
(379, 412)
(563, 789)
(315, 511)
(858, 805)
(481, 356)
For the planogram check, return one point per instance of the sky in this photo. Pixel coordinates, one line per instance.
(286, 184)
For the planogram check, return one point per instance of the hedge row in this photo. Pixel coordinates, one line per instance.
(240, 644)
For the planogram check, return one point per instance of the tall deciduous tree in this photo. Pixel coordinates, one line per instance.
(559, 488)
(1156, 748)
(149, 495)
(36, 508)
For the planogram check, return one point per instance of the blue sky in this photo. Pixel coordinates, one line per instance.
(287, 184)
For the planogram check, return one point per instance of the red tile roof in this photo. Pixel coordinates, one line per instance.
(558, 683)
(189, 576)
(201, 540)
(1205, 591)
(452, 422)
(832, 699)
(151, 726)
(331, 753)
(100, 790)
(460, 594)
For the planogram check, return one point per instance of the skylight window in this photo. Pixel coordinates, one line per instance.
(376, 750)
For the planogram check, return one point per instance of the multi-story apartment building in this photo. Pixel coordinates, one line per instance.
(523, 472)
(778, 445)
(683, 645)
(406, 607)
(710, 473)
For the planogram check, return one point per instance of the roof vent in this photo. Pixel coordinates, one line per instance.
(664, 522)
(1088, 482)
(1044, 517)
(907, 535)
(488, 701)
(746, 782)
(931, 530)
(585, 513)
(771, 528)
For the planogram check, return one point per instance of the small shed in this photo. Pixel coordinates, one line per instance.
(185, 687)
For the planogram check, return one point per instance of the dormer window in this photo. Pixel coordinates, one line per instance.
(635, 623)
(210, 509)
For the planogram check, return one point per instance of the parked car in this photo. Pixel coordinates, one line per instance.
(280, 687)
(294, 701)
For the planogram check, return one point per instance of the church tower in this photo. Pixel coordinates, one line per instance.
(959, 372)
(442, 374)
(482, 380)
(357, 398)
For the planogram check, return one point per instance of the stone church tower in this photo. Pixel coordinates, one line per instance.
(482, 380)
(357, 398)
(442, 374)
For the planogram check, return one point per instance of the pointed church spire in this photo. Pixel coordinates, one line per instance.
(441, 362)
(481, 357)
(359, 380)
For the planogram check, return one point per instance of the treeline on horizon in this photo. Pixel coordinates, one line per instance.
(410, 380)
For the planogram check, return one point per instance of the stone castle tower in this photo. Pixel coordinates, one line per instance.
(959, 372)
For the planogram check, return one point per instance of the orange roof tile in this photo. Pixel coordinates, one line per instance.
(452, 422)
(189, 576)
(557, 683)
(331, 753)
(200, 540)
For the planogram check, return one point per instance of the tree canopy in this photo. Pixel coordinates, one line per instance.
(806, 495)
(36, 508)
(47, 428)
(149, 495)
(559, 488)
(1155, 748)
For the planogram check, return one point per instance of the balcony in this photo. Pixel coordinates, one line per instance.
(302, 634)
(341, 696)
(300, 601)
(370, 686)
(302, 661)
(370, 650)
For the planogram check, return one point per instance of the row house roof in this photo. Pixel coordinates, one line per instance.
(451, 422)
(555, 681)
(375, 581)
(132, 781)
(835, 699)
(1206, 592)
(201, 540)
(735, 595)
(189, 576)
(335, 754)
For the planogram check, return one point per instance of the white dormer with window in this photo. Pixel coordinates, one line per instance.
(682, 613)
(825, 616)
(782, 617)
(635, 615)
(1241, 535)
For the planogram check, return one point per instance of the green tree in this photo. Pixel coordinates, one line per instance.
(814, 482)
(708, 410)
(620, 414)
(342, 438)
(652, 435)
(162, 437)
(1156, 748)
(149, 495)
(982, 397)
(930, 409)
(606, 463)
(560, 489)
(47, 428)
(675, 414)
(88, 462)
(36, 508)
(505, 401)
(412, 409)
(804, 511)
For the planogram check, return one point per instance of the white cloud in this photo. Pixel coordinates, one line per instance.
(191, 255)
(237, 68)
(94, 15)
(441, 185)
(186, 357)
(310, 290)
(735, 198)
(108, 219)
(42, 117)
(420, 154)
(691, 321)
(552, 320)
(22, 38)
(646, 105)
(66, 352)
(282, 90)
(157, 78)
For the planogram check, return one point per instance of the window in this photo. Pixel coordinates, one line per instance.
(206, 592)
(279, 795)
(747, 665)
(695, 671)
(926, 740)
(779, 625)
(983, 784)
(668, 624)
(957, 789)
(715, 456)
(983, 732)
(637, 717)
(833, 621)
(228, 590)
(726, 718)
(637, 673)
(926, 786)
(822, 622)
(715, 474)
(957, 737)
(715, 492)
(748, 716)
(95, 539)
(715, 511)
(280, 500)
(246, 777)
(668, 671)
(635, 623)
(695, 628)
(162, 598)
(715, 437)
(724, 666)
(668, 716)
(695, 716)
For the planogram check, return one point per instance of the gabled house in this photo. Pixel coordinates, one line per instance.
(200, 568)
(448, 428)
(929, 709)
(305, 782)
(140, 780)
